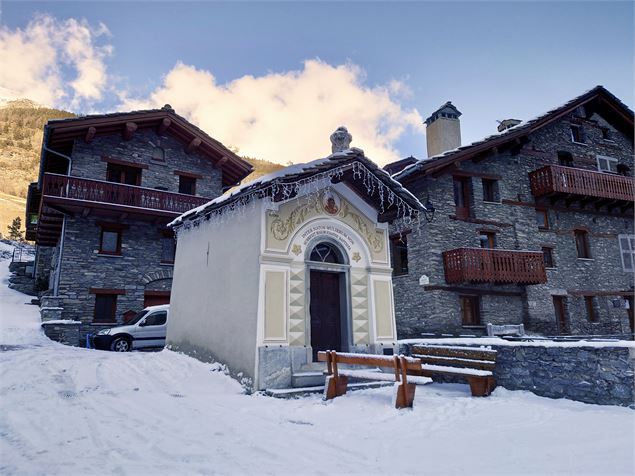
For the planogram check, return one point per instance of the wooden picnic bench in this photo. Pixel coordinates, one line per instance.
(337, 378)
(475, 365)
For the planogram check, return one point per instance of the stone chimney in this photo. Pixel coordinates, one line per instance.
(507, 123)
(443, 129)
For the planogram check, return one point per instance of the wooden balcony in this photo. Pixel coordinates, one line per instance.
(556, 182)
(484, 265)
(67, 195)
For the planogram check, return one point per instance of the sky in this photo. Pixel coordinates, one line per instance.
(274, 79)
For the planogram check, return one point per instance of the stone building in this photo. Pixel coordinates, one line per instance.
(107, 188)
(533, 225)
(291, 264)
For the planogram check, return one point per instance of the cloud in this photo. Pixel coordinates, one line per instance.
(288, 117)
(53, 62)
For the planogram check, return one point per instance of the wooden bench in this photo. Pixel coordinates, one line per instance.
(337, 379)
(476, 365)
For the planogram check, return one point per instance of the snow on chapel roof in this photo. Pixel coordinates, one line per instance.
(344, 164)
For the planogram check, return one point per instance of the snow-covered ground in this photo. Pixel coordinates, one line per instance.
(70, 411)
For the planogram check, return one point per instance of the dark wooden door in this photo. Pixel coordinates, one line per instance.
(631, 321)
(462, 196)
(561, 316)
(325, 312)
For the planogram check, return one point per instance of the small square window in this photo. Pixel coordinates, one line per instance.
(591, 312)
(470, 310)
(542, 219)
(110, 242)
(627, 251)
(168, 249)
(565, 159)
(490, 190)
(607, 164)
(606, 133)
(187, 185)
(105, 308)
(487, 239)
(547, 255)
(582, 244)
(399, 254)
(576, 134)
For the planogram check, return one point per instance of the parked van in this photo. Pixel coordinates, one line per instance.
(146, 329)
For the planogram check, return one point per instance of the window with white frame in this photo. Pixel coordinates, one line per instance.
(627, 250)
(607, 164)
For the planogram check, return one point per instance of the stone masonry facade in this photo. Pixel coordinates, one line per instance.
(138, 269)
(435, 307)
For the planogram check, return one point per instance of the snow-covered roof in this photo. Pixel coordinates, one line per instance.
(296, 172)
(434, 162)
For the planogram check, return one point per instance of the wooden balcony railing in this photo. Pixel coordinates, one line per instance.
(484, 265)
(98, 191)
(555, 179)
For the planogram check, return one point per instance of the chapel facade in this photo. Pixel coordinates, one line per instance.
(292, 264)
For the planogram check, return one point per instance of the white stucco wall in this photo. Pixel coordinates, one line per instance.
(214, 302)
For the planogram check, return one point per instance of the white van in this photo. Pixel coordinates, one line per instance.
(146, 329)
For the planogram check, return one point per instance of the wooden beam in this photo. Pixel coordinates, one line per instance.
(90, 135)
(129, 130)
(468, 290)
(193, 145)
(165, 124)
(222, 161)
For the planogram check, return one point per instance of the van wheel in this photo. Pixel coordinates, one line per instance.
(121, 344)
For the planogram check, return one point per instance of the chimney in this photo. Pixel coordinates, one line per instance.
(443, 130)
(507, 123)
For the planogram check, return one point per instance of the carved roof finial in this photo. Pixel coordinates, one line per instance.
(340, 140)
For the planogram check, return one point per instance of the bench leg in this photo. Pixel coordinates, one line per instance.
(481, 386)
(335, 387)
(404, 395)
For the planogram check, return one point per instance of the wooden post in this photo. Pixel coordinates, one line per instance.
(129, 130)
(335, 385)
(90, 135)
(405, 391)
(165, 123)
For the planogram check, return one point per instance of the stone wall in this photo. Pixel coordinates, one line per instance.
(436, 307)
(89, 161)
(582, 372)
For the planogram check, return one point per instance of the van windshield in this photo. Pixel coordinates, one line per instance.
(137, 318)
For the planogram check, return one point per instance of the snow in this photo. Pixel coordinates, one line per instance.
(540, 342)
(72, 411)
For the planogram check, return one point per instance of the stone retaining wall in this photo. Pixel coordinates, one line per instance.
(602, 375)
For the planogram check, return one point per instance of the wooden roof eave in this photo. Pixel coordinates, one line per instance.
(467, 154)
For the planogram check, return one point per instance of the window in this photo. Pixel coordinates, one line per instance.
(487, 239)
(623, 169)
(607, 164)
(606, 133)
(490, 190)
(591, 313)
(577, 135)
(187, 185)
(158, 154)
(565, 159)
(156, 319)
(542, 219)
(123, 174)
(326, 253)
(560, 310)
(627, 250)
(168, 248)
(582, 244)
(399, 254)
(462, 189)
(470, 310)
(547, 256)
(105, 308)
(110, 242)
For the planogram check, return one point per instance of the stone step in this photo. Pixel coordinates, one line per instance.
(307, 379)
